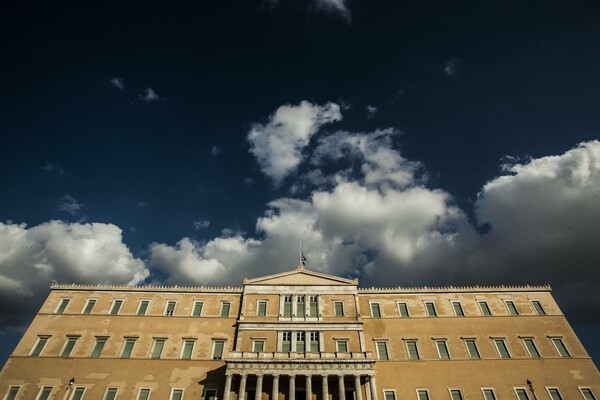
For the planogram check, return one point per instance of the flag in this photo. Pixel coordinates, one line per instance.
(302, 258)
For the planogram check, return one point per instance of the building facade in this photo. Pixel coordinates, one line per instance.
(299, 335)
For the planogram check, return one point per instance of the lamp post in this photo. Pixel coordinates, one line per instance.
(531, 389)
(69, 386)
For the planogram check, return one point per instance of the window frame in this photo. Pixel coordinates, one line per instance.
(125, 342)
(549, 388)
(341, 341)
(387, 351)
(310, 341)
(105, 397)
(75, 391)
(335, 313)
(444, 342)
(46, 339)
(112, 311)
(588, 388)
(214, 347)
(173, 390)
(210, 389)
(223, 303)
(517, 312)
(8, 392)
(503, 340)
(392, 391)
(398, 303)
(454, 303)
(474, 340)
(516, 389)
(167, 312)
(197, 304)
(287, 306)
(90, 300)
(416, 343)
(184, 344)
(67, 301)
(138, 397)
(460, 394)
(97, 341)
(300, 341)
(537, 351)
(139, 308)
(426, 391)
(487, 307)
(377, 305)
(535, 310)
(41, 392)
(256, 341)
(483, 389)
(258, 305)
(433, 308)
(155, 341)
(70, 338)
(310, 305)
(562, 342)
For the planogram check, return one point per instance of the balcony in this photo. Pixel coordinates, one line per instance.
(281, 356)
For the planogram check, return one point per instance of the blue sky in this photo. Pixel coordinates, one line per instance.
(403, 144)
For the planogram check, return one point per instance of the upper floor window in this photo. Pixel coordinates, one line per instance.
(143, 307)
(472, 349)
(587, 393)
(287, 305)
(455, 394)
(511, 307)
(412, 349)
(261, 308)
(98, 347)
(286, 342)
(177, 394)
(502, 349)
(537, 306)
(314, 342)
(389, 395)
(225, 306)
(338, 308)
(521, 394)
(170, 308)
(382, 350)
(12, 393)
(375, 310)
(258, 345)
(111, 393)
(44, 393)
(300, 306)
(197, 310)
(157, 348)
(300, 337)
(69, 344)
(554, 394)
(531, 348)
(430, 308)
(218, 346)
(89, 306)
(144, 394)
(187, 349)
(488, 394)
(39, 346)
(442, 349)
(422, 394)
(116, 306)
(560, 347)
(313, 310)
(341, 346)
(485, 309)
(458, 310)
(128, 347)
(78, 393)
(62, 306)
(403, 310)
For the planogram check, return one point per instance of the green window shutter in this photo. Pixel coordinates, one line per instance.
(300, 309)
(144, 394)
(262, 309)
(403, 309)
(538, 307)
(12, 392)
(375, 310)
(502, 349)
(554, 394)
(382, 351)
(512, 308)
(458, 310)
(423, 395)
(78, 394)
(177, 394)
(485, 309)
(530, 345)
(188, 347)
(521, 394)
(68, 347)
(488, 394)
(111, 393)
(225, 309)
(472, 349)
(100, 342)
(413, 351)
(63, 305)
(443, 350)
(116, 307)
(158, 348)
(89, 306)
(560, 347)
(129, 343)
(37, 350)
(339, 309)
(143, 307)
(258, 346)
(170, 308)
(430, 309)
(587, 394)
(218, 350)
(197, 311)
(342, 346)
(456, 394)
(389, 395)
(313, 310)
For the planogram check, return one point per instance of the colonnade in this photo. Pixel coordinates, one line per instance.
(371, 388)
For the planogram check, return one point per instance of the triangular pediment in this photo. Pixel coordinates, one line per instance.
(300, 276)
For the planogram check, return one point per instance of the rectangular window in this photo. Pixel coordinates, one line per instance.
(403, 310)
(554, 394)
(218, 347)
(472, 349)
(338, 308)
(422, 394)
(144, 394)
(412, 349)
(458, 310)
(78, 393)
(98, 346)
(170, 308)
(187, 350)
(389, 395)
(314, 342)
(12, 393)
(157, 348)
(287, 306)
(116, 306)
(560, 347)
(455, 394)
(143, 307)
(66, 351)
(62, 306)
(375, 310)
(313, 311)
(537, 306)
(488, 394)
(300, 306)
(261, 309)
(44, 393)
(128, 348)
(111, 394)
(177, 394)
(382, 351)
(300, 342)
(485, 309)
(442, 349)
(197, 310)
(502, 349)
(512, 308)
(39, 346)
(225, 306)
(258, 346)
(521, 394)
(531, 349)
(89, 306)
(430, 308)
(587, 394)
(210, 394)
(286, 342)
(341, 346)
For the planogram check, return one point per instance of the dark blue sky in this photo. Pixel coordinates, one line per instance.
(137, 117)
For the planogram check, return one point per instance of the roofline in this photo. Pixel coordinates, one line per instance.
(257, 280)
(146, 288)
(456, 289)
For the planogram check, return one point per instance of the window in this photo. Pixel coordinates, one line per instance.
(455, 394)
(110, 394)
(412, 349)
(78, 393)
(458, 310)
(422, 394)
(537, 306)
(403, 310)
(313, 310)
(338, 308)
(485, 309)
(62, 306)
(128, 347)
(472, 349)
(442, 349)
(116, 306)
(144, 394)
(375, 310)
(286, 342)
(521, 394)
(382, 351)
(560, 347)
(261, 309)
(188, 348)
(197, 310)
(177, 394)
(502, 349)
(225, 306)
(512, 308)
(217, 352)
(587, 393)
(143, 307)
(210, 394)
(170, 309)
(157, 348)
(68, 348)
(488, 394)
(12, 393)
(98, 346)
(341, 346)
(531, 349)
(287, 306)
(89, 306)
(554, 394)
(44, 393)
(300, 342)
(314, 342)
(258, 346)
(300, 306)
(389, 395)
(39, 346)
(430, 308)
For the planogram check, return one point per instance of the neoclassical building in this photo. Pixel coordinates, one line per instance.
(299, 335)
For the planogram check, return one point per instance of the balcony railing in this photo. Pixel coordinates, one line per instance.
(268, 356)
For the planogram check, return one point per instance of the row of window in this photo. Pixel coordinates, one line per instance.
(521, 393)
(110, 393)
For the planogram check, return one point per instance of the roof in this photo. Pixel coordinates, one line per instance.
(300, 276)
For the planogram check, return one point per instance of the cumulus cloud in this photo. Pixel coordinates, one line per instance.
(70, 205)
(451, 66)
(149, 96)
(277, 145)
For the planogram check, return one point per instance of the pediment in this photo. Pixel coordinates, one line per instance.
(300, 276)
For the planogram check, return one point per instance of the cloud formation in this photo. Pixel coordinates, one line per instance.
(149, 96)
(451, 66)
(53, 167)
(338, 7)
(200, 224)
(117, 83)
(70, 205)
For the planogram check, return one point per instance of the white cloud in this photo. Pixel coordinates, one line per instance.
(117, 83)
(200, 224)
(451, 66)
(70, 205)
(338, 7)
(371, 111)
(215, 150)
(278, 145)
(149, 95)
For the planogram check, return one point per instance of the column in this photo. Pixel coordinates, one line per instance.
(342, 388)
(367, 390)
(325, 388)
(308, 387)
(275, 392)
(292, 392)
(357, 389)
(258, 391)
(373, 387)
(242, 391)
(227, 391)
